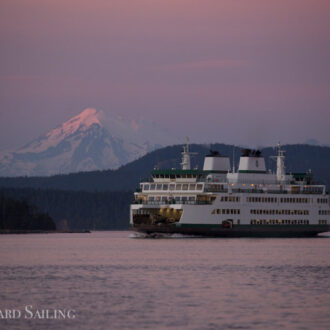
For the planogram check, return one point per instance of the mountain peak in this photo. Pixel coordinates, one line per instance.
(86, 118)
(88, 141)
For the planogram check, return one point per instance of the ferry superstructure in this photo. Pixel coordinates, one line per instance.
(218, 201)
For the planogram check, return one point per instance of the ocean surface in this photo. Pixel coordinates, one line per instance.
(114, 280)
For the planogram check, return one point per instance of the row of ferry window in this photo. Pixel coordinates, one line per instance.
(322, 200)
(166, 198)
(262, 199)
(178, 186)
(324, 212)
(226, 211)
(287, 212)
(323, 222)
(230, 199)
(274, 200)
(278, 222)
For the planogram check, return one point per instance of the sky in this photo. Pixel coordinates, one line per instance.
(249, 72)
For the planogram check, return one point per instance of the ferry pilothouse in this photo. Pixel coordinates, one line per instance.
(218, 201)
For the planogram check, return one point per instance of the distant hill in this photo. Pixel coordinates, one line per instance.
(299, 158)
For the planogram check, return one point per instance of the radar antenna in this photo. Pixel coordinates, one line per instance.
(185, 165)
(280, 167)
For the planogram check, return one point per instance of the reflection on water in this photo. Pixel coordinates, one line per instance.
(115, 281)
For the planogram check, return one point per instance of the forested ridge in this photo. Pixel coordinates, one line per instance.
(100, 199)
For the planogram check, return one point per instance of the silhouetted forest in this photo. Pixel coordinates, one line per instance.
(16, 215)
(79, 210)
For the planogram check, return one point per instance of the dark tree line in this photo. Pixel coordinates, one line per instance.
(20, 215)
(79, 210)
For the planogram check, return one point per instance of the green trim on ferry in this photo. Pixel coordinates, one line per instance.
(183, 172)
(255, 172)
(176, 172)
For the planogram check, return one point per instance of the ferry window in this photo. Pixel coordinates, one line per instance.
(165, 186)
(157, 198)
(164, 198)
(184, 198)
(159, 187)
(199, 187)
(192, 187)
(177, 198)
(191, 198)
(146, 187)
(178, 186)
(172, 186)
(151, 198)
(184, 187)
(152, 187)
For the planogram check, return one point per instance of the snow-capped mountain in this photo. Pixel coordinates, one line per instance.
(89, 141)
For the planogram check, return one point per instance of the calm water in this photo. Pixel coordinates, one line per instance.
(113, 281)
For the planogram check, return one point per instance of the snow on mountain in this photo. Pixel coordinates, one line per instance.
(89, 141)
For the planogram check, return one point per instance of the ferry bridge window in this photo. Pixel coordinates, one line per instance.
(165, 186)
(178, 186)
(159, 187)
(192, 187)
(184, 187)
(146, 187)
(199, 187)
(172, 186)
(152, 187)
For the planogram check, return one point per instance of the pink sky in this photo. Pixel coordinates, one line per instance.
(234, 71)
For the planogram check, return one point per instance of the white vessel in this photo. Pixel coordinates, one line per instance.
(219, 201)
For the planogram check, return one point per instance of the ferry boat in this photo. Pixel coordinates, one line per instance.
(221, 202)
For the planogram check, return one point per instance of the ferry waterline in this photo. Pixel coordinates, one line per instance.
(221, 202)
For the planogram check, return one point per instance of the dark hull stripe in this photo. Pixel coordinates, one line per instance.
(236, 231)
